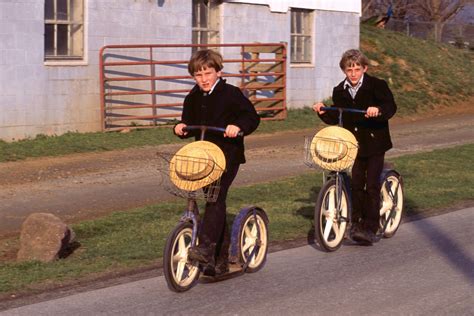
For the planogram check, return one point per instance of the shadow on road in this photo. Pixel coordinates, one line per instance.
(444, 244)
(448, 248)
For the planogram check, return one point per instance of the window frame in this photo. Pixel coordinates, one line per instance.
(75, 22)
(301, 37)
(208, 30)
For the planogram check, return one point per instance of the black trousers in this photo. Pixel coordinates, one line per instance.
(214, 229)
(366, 190)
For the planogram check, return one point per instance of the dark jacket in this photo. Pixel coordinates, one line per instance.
(226, 105)
(372, 134)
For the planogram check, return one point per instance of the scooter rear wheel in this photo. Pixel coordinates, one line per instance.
(253, 240)
(391, 196)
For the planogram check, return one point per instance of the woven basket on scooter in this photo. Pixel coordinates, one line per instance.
(334, 148)
(196, 165)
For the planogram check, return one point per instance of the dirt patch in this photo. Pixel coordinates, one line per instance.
(403, 64)
(8, 249)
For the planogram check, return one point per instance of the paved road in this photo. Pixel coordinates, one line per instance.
(88, 185)
(426, 269)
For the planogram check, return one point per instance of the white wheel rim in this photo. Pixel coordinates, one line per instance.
(249, 240)
(332, 227)
(183, 271)
(387, 204)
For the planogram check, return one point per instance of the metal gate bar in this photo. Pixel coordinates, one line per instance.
(262, 79)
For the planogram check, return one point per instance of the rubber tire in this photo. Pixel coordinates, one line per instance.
(398, 217)
(169, 267)
(319, 218)
(262, 249)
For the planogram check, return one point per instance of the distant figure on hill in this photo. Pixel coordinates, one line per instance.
(380, 20)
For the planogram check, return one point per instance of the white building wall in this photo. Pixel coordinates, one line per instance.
(331, 5)
(334, 32)
(53, 98)
(255, 24)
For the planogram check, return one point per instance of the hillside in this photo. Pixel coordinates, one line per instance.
(422, 74)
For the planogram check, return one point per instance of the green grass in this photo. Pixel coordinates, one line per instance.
(82, 142)
(436, 179)
(133, 239)
(70, 143)
(421, 73)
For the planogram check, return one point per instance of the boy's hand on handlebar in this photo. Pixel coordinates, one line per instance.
(372, 111)
(178, 129)
(317, 108)
(231, 131)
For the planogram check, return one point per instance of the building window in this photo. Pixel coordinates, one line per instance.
(301, 36)
(205, 22)
(64, 30)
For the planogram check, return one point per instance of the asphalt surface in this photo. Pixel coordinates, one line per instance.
(84, 186)
(427, 268)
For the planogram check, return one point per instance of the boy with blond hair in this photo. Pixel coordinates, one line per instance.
(361, 91)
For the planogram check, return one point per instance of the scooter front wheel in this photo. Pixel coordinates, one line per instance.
(180, 274)
(330, 216)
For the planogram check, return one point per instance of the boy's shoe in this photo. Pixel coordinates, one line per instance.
(222, 268)
(362, 236)
(377, 236)
(216, 271)
(355, 232)
(201, 254)
(355, 226)
(209, 270)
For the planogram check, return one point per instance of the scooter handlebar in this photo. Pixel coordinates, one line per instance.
(335, 108)
(204, 129)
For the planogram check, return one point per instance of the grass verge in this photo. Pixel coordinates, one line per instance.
(71, 143)
(135, 238)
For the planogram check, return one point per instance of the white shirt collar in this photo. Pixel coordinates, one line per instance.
(213, 86)
(353, 90)
(357, 86)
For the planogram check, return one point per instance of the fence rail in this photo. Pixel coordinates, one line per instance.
(144, 86)
(451, 32)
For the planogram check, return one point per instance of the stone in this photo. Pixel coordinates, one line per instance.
(373, 63)
(44, 237)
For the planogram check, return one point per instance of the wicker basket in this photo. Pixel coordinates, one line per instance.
(182, 188)
(329, 153)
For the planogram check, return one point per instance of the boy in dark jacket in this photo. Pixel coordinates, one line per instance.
(213, 102)
(364, 92)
